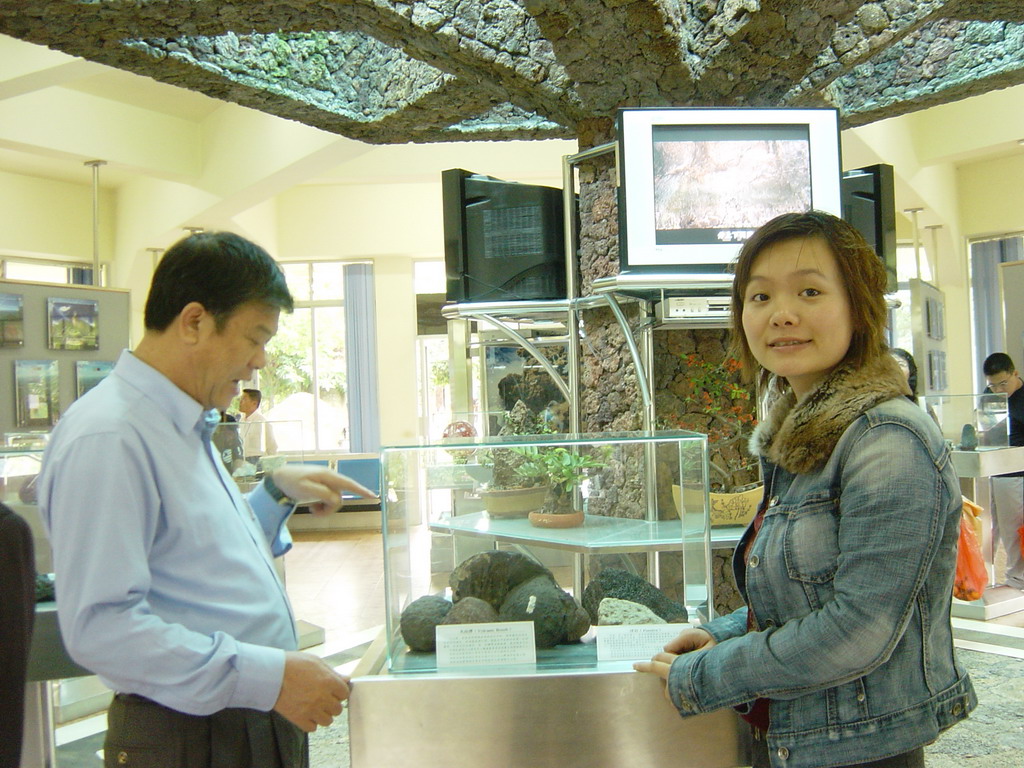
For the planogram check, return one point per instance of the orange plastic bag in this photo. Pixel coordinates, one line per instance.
(971, 575)
(1020, 538)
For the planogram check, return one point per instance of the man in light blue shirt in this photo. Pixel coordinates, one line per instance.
(165, 580)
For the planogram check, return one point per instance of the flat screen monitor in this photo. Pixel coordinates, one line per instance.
(695, 182)
(869, 204)
(503, 240)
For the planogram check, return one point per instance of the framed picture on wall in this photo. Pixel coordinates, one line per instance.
(935, 319)
(72, 323)
(89, 373)
(36, 393)
(12, 320)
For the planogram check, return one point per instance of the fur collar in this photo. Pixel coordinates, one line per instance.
(800, 437)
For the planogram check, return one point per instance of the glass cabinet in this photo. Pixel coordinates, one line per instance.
(511, 628)
(593, 514)
(19, 468)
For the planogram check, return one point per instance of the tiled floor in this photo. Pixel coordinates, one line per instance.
(335, 580)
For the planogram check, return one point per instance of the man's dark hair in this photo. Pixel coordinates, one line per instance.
(255, 395)
(998, 362)
(220, 270)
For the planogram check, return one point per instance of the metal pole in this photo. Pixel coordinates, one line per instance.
(917, 239)
(934, 258)
(571, 292)
(156, 253)
(95, 165)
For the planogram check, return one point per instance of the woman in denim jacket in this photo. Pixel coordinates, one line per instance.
(843, 655)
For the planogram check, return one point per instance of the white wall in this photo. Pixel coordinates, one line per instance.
(991, 198)
(45, 218)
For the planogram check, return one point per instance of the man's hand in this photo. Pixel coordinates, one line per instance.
(317, 487)
(311, 692)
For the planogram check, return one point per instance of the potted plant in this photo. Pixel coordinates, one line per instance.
(711, 400)
(563, 471)
(510, 492)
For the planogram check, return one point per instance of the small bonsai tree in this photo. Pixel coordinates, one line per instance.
(563, 470)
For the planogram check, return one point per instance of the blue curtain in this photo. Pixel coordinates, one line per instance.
(361, 359)
(986, 257)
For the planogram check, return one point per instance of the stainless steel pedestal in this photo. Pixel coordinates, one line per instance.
(555, 720)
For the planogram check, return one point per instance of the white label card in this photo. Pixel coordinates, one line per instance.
(629, 642)
(505, 642)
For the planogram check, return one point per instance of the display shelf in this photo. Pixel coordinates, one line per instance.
(598, 535)
(541, 715)
(988, 462)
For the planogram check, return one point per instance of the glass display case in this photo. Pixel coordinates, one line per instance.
(603, 502)
(29, 440)
(19, 468)
(971, 422)
(513, 351)
(530, 654)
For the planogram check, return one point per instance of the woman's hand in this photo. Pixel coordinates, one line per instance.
(690, 640)
(687, 641)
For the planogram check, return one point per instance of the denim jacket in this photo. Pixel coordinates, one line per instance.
(849, 582)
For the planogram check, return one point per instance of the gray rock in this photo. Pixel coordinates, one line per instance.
(615, 611)
(614, 582)
(420, 619)
(553, 611)
(492, 575)
(471, 610)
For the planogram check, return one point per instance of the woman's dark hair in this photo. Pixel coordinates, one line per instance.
(860, 269)
(220, 270)
(908, 359)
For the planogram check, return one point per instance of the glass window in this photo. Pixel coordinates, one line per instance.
(304, 381)
(61, 273)
(332, 401)
(328, 280)
(429, 276)
(287, 381)
(296, 274)
(987, 301)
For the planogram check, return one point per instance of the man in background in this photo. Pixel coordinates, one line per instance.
(257, 434)
(1008, 490)
(165, 577)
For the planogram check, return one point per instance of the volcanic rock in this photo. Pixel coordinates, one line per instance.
(492, 575)
(420, 619)
(553, 611)
(614, 582)
(471, 610)
(615, 611)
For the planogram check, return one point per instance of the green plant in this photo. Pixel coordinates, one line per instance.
(715, 403)
(505, 462)
(563, 469)
(439, 374)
